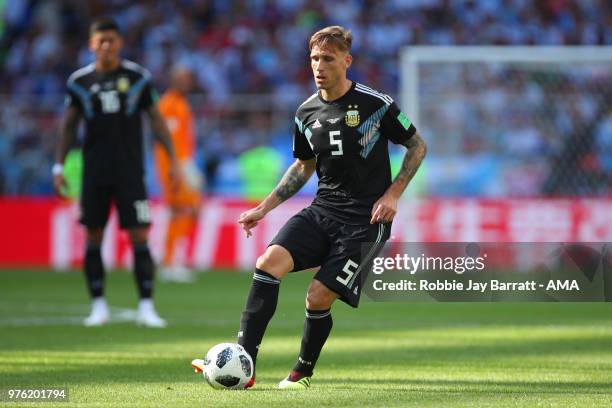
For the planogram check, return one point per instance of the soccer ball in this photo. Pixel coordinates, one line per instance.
(228, 366)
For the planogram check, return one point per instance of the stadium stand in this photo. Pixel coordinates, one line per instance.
(249, 47)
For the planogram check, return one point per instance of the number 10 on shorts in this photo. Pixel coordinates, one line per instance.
(349, 268)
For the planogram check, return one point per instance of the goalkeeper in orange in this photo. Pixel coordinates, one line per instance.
(183, 199)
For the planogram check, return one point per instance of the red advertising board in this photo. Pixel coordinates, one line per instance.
(45, 232)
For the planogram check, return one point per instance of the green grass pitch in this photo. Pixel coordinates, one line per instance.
(382, 354)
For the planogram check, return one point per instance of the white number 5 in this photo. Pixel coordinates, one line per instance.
(349, 273)
(336, 142)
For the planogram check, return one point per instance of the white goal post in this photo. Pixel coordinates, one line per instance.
(412, 56)
(516, 109)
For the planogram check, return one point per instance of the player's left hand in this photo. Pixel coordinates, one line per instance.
(384, 209)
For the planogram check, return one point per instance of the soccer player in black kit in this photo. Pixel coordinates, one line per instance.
(111, 94)
(341, 131)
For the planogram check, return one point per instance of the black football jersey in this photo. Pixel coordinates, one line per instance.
(348, 137)
(111, 104)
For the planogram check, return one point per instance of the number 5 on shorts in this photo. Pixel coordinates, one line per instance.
(349, 268)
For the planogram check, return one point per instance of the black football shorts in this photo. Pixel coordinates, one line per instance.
(129, 198)
(344, 252)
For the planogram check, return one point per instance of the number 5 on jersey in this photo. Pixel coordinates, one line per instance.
(335, 142)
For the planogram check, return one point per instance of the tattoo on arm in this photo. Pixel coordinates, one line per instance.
(412, 160)
(160, 130)
(68, 133)
(294, 179)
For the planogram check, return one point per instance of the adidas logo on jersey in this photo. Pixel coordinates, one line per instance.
(317, 124)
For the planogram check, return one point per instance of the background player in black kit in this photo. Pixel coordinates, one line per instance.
(110, 94)
(342, 132)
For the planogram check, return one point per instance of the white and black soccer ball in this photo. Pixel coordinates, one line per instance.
(228, 366)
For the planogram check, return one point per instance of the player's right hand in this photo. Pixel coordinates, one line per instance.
(60, 185)
(249, 220)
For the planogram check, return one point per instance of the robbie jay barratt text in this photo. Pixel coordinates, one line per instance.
(493, 285)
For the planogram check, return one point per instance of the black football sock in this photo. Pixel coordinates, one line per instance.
(317, 327)
(143, 270)
(259, 309)
(94, 270)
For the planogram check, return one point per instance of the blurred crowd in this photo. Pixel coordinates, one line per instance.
(259, 48)
(518, 129)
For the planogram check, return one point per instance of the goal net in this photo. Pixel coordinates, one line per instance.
(512, 121)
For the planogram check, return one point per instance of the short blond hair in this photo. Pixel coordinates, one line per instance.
(337, 36)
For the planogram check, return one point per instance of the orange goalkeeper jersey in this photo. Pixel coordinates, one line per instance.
(175, 108)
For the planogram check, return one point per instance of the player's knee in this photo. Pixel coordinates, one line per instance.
(319, 297)
(276, 261)
(94, 236)
(138, 236)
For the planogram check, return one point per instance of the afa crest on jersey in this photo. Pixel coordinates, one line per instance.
(123, 84)
(352, 116)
